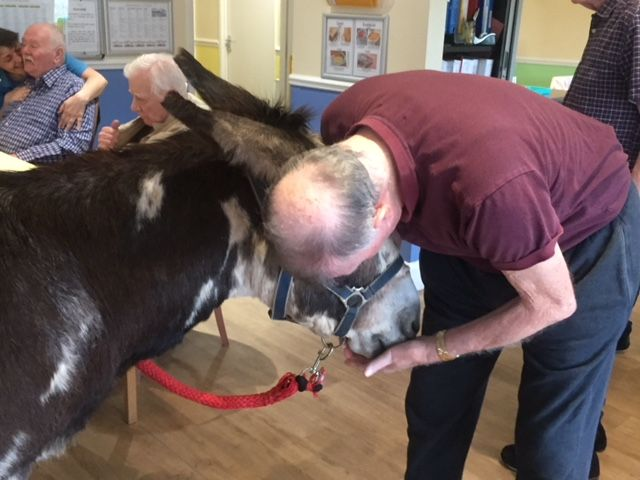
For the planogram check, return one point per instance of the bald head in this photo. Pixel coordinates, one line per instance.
(42, 49)
(320, 214)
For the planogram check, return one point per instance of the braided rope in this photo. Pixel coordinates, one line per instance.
(286, 387)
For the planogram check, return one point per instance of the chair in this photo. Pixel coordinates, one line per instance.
(131, 377)
(96, 126)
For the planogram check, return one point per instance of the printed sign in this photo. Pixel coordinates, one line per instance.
(354, 47)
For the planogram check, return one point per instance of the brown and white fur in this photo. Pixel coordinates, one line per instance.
(110, 258)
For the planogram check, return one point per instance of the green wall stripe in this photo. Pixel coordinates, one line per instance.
(537, 75)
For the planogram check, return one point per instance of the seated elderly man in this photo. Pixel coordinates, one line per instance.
(150, 77)
(30, 129)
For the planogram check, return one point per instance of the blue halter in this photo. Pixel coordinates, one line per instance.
(353, 298)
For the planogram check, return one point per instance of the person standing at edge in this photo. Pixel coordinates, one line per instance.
(606, 86)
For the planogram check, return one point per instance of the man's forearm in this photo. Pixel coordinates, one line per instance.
(509, 325)
(545, 297)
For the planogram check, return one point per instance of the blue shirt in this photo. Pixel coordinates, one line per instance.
(6, 85)
(75, 66)
(30, 129)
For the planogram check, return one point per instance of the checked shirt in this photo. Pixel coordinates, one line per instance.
(606, 84)
(30, 129)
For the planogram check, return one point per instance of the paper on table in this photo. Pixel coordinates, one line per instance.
(8, 162)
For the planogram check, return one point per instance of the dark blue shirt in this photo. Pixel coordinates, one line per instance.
(606, 84)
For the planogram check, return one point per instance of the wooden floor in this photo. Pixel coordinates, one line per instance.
(355, 430)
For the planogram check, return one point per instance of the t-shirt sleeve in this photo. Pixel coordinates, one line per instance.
(516, 226)
(336, 121)
(75, 66)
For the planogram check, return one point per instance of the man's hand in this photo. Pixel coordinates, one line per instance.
(72, 111)
(16, 95)
(108, 136)
(409, 354)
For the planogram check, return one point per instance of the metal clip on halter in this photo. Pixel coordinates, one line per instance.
(324, 353)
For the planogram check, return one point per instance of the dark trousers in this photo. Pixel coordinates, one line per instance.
(566, 367)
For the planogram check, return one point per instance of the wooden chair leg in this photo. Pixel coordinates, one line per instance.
(131, 378)
(221, 328)
(131, 396)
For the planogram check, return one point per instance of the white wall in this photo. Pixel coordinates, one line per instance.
(415, 26)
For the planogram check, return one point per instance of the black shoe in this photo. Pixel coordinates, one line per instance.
(594, 470)
(601, 438)
(624, 342)
(508, 459)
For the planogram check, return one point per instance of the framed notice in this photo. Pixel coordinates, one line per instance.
(83, 29)
(139, 26)
(354, 47)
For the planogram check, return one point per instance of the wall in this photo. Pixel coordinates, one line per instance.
(415, 27)
(553, 34)
(207, 34)
(406, 28)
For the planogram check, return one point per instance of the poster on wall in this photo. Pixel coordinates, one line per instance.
(83, 30)
(17, 15)
(354, 47)
(141, 26)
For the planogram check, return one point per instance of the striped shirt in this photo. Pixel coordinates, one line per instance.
(30, 128)
(606, 84)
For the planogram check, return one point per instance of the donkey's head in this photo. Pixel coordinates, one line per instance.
(374, 307)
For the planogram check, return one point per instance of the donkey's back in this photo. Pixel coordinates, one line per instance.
(104, 259)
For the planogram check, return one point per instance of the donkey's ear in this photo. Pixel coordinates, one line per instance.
(195, 118)
(220, 94)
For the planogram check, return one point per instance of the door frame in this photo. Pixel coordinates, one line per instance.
(281, 46)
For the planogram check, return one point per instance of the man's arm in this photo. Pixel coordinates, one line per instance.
(72, 109)
(545, 297)
(71, 141)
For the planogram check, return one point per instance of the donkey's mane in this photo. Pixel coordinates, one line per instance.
(226, 97)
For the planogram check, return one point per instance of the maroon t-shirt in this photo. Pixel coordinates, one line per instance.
(488, 171)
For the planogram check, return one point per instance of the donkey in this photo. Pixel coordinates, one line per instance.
(111, 257)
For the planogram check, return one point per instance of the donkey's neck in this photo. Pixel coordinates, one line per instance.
(254, 274)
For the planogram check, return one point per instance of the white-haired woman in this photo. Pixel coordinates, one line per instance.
(151, 77)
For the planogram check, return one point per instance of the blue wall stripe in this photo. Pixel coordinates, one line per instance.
(315, 100)
(115, 102)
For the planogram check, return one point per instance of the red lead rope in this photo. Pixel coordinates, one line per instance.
(288, 386)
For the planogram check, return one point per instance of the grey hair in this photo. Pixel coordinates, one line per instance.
(56, 37)
(337, 169)
(163, 71)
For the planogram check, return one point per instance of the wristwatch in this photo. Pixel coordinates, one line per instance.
(441, 348)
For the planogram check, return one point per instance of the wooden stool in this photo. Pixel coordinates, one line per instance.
(131, 378)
